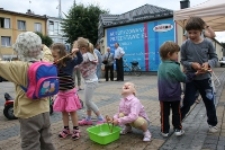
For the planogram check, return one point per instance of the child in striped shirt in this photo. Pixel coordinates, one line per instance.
(67, 101)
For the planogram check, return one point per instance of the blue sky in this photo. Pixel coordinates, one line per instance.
(49, 7)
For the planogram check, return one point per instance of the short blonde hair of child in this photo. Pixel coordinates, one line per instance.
(168, 48)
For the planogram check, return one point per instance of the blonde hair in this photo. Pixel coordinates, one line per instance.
(91, 48)
(75, 44)
(135, 92)
(133, 85)
(83, 42)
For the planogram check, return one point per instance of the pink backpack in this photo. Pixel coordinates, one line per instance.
(42, 80)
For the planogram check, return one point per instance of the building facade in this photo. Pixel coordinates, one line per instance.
(140, 32)
(13, 23)
(54, 29)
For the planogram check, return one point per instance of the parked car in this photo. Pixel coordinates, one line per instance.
(222, 62)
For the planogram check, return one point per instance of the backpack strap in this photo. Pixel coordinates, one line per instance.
(22, 87)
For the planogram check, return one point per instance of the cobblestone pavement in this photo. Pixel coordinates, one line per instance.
(107, 97)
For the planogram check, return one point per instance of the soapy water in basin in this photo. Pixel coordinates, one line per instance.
(103, 133)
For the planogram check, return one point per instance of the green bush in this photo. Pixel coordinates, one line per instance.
(45, 39)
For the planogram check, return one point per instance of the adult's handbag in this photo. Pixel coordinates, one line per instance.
(105, 62)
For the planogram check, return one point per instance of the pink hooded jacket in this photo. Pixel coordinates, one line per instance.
(132, 108)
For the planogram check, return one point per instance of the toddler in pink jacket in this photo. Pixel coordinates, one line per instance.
(131, 112)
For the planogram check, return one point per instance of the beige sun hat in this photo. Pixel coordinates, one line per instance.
(28, 47)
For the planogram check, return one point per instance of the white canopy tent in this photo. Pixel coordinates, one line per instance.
(211, 11)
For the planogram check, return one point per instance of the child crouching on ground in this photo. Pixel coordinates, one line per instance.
(33, 115)
(131, 112)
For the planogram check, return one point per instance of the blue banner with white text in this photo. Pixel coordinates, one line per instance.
(141, 42)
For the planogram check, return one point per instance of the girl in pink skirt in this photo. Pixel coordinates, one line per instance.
(67, 100)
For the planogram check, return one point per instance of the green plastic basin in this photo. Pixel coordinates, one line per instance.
(102, 134)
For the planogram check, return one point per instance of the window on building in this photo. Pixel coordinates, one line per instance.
(21, 25)
(4, 22)
(57, 40)
(5, 40)
(56, 28)
(37, 27)
(51, 28)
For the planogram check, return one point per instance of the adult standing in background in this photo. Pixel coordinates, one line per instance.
(77, 78)
(98, 70)
(76, 75)
(109, 57)
(119, 53)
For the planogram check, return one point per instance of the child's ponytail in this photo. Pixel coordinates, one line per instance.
(91, 48)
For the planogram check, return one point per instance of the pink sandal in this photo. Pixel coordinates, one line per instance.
(85, 122)
(76, 134)
(64, 133)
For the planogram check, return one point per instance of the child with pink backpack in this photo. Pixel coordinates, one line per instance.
(33, 82)
(67, 100)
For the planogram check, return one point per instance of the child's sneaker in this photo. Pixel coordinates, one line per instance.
(85, 122)
(213, 129)
(76, 134)
(147, 136)
(164, 134)
(126, 129)
(64, 133)
(179, 132)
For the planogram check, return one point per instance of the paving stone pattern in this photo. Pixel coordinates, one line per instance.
(107, 97)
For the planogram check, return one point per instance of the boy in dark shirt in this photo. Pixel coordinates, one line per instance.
(198, 53)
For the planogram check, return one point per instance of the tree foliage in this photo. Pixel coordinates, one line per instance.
(82, 21)
(45, 39)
